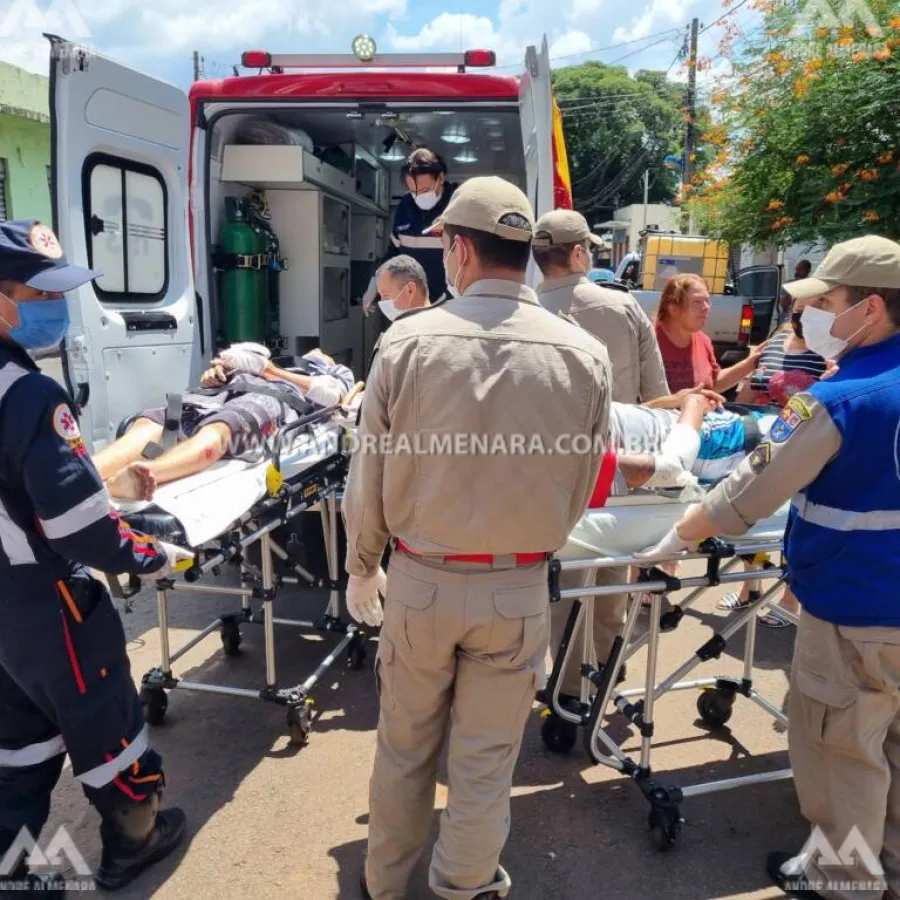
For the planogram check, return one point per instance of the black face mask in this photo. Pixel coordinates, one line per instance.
(796, 324)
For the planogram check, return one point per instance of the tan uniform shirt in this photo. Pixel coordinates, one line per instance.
(616, 318)
(777, 469)
(482, 429)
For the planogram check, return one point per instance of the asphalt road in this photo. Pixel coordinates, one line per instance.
(269, 819)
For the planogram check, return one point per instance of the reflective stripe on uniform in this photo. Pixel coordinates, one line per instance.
(85, 513)
(100, 776)
(847, 519)
(14, 540)
(423, 242)
(33, 753)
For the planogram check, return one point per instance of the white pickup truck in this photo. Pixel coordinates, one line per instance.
(738, 318)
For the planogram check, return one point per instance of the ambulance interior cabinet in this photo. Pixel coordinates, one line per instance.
(314, 231)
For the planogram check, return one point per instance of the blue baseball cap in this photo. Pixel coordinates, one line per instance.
(30, 253)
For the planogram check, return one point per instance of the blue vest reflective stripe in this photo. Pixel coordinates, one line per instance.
(843, 538)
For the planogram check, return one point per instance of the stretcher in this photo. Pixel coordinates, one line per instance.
(610, 537)
(227, 515)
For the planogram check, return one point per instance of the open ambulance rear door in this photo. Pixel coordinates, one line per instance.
(536, 115)
(120, 143)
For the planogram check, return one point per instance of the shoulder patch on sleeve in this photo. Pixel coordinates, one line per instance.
(760, 457)
(65, 424)
(798, 406)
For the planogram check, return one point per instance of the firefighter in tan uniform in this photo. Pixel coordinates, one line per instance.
(836, 451)
(562, 251)
(466, 618)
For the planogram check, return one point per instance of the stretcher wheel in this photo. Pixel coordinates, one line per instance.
(231, 638)
(715, 707)
(558, 735)
(665, 826)
(154, 703)
(299, 720)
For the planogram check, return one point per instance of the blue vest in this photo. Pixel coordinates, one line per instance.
(843, 539)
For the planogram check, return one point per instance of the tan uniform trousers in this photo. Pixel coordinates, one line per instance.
(844, 735)
(609, 617)
(460, 657)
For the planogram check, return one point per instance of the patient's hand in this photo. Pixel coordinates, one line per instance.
(704, 400)
(215, 375)
(318, 354)
(135, 482)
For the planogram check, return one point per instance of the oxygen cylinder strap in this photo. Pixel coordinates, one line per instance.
(171, 427)
(228, 261)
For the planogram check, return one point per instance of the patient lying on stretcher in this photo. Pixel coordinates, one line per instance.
(243, 400)
(668, 448)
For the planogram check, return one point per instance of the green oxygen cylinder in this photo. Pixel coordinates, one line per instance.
(242, 283)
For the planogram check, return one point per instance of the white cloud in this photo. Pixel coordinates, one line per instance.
(572, 43)
(658, 16)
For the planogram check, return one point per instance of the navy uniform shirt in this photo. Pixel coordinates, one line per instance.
(54, 509)
(426, 249)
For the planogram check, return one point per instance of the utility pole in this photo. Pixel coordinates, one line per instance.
(689, 139)
(646, 194)
(196, 65)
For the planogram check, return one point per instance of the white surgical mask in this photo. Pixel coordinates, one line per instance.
(426, 201)
(452, 288)
(389, 308)
(817, 324)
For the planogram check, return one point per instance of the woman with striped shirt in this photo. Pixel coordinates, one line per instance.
(787, 367)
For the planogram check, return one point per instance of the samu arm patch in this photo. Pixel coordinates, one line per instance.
(66, 427)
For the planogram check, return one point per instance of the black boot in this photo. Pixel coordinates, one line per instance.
(135, 836)
(21, 881)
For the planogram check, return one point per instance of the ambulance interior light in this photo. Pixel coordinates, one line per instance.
(256, 59)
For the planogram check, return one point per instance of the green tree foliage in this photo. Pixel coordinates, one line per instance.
(809, 138)
(616, 126)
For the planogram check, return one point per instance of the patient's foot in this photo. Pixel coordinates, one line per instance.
(135, 482)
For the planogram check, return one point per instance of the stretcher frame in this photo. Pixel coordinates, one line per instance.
(599, 682)
(319, 489)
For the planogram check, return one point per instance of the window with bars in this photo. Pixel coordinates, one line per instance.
(125, 210)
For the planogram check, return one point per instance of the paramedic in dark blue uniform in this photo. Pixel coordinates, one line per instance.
(425, 175)
(836, 451)
(65, 680)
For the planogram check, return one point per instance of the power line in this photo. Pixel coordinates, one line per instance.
(722, 18)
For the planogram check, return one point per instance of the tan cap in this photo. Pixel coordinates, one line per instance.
(870, 261)
(480, 203)
(562, 226)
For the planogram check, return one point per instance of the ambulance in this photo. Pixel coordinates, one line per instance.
(160, 190)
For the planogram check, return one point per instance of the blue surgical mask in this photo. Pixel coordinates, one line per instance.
(42, 323)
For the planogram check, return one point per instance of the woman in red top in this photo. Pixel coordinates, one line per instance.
(687, 352)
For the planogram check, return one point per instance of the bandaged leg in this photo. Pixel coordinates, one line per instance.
(206, 447)
(679, 453)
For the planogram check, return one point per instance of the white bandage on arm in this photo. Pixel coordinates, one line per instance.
(683, 444)
(325, 390)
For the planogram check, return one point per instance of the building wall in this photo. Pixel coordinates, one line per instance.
(25, 142)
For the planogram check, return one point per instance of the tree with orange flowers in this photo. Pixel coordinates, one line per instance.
(811, 118)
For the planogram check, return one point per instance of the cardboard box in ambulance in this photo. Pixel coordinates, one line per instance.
(156, 188)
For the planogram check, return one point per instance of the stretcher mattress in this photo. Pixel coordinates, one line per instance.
(629, 524)
(199, 508)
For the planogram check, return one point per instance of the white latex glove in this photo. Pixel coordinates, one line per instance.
(368, 298)
(669, 546)
(363, 602)
(240, 359)
(177, 559)
(325, 390)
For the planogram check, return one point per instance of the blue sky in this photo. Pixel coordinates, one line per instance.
(159, 36)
